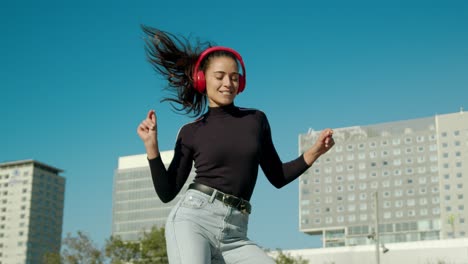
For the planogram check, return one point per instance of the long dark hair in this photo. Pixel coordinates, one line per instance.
(174, 58)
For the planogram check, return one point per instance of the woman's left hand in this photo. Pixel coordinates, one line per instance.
(324, 143)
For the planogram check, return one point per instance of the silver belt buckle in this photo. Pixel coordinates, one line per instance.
(243, 208)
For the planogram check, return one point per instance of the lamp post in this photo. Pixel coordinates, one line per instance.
(376, 228)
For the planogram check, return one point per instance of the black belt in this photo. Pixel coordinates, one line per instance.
(230, 200)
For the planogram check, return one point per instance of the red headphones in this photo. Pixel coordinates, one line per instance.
(199, 82)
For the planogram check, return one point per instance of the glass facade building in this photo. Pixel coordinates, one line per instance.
(31, 211)
(136, 206)
(416, 171)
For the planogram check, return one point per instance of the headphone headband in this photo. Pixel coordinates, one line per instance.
(199, 78)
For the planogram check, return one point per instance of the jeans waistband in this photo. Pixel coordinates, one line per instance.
(229, 200)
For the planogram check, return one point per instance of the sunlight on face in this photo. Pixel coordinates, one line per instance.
(222, 81)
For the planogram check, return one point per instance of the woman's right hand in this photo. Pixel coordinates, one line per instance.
(148, 132)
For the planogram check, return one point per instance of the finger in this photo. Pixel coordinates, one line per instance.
(141, 128)
(150, 113)
(148, 124)
(152, 118)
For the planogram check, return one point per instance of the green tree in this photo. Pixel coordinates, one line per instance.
(283, 258)
(120, 251)
(151, 248)
(51, 258)
(80, 249)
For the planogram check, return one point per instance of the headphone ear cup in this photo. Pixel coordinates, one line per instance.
(241, 84)
(199, 83)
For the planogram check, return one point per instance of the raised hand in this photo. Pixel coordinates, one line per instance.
(323, 143)
(148, 132)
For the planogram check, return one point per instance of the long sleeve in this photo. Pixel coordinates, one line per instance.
(168, 183)
(278, 173)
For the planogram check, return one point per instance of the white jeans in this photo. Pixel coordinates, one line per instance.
(202, 230)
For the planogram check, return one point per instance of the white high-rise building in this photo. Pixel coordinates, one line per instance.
(136, 206)
(31, 211)
(417, 169)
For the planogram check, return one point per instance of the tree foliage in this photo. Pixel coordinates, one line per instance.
(150, 249)
(80, 249)
(52, 258)
(283, 258)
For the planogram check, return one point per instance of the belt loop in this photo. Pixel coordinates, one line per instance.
(213, 195)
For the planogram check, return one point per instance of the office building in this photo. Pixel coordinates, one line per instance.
(31, 211)
(136, 206)
(417, 252)
(416, 171)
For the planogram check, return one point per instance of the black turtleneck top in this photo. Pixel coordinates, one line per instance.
(226, 145)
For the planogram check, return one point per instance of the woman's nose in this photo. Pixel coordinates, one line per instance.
(227, 81)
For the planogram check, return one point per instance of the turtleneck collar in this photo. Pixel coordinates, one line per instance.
(226, 110)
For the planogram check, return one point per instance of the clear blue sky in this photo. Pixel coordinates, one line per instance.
(75, 84)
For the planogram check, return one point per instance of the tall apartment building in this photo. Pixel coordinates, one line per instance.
(31, 211)
(417, 168)
(136, 206)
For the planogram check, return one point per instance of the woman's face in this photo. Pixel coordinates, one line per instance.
(222, 81)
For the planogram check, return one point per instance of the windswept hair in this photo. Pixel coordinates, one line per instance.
(174, 58)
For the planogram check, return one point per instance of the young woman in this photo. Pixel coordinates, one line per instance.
(226, 145)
